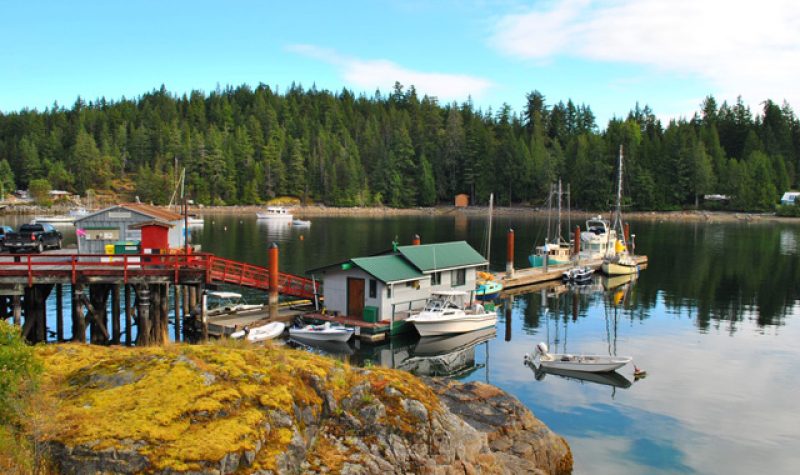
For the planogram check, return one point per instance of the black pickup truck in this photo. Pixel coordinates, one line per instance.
(33, 237)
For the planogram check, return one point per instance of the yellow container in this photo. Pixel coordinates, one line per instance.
(619, 246)
(109, 249)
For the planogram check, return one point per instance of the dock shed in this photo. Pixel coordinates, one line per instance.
(123, 222)
(390, 286)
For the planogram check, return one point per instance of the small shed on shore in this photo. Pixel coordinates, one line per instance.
(462, 200)
(118, 223)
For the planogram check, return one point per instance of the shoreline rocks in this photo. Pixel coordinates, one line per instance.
(276, 410)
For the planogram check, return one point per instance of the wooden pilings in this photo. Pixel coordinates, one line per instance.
(510, 252)
(273, 281)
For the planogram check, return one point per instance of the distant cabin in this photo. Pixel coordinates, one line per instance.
(390, 286)
(462, 201)
(790, 197)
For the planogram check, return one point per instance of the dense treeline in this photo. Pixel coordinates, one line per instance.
(244, 146)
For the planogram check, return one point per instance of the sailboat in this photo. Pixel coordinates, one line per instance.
(486, 287)
(556, 250)
(618, 261)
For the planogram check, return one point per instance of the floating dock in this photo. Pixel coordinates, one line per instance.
(537, 275)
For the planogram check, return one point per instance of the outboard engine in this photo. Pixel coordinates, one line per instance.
(541, 348)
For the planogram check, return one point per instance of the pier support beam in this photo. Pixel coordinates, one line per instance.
(143, 317)
(176, 291)
(96, 307)
(35, 326)
(59, 313)
(273, 281)
(78, 321)
(17, 310)
(115, 317)
(163, 291)
(128, 314)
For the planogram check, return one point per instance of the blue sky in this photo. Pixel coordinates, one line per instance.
(607, 54)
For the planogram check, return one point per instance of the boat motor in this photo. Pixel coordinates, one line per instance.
(541, 348)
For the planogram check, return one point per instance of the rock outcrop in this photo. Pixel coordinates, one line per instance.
(217, 409)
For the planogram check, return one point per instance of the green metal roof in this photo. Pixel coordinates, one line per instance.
(391, 268)
(444, 255)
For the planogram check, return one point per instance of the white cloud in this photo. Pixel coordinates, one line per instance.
(747, 48)
(381, 73)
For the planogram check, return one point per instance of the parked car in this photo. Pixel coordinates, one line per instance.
(33, 237)
(3, 231)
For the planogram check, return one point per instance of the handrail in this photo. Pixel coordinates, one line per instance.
(215, 269)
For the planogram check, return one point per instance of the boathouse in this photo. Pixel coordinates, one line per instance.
(123, 223)
(388, 287)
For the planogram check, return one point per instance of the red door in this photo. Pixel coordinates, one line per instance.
(355, 297)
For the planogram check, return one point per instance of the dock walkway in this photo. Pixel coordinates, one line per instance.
(537, 275)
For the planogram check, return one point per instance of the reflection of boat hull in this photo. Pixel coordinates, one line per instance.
(617, 281)
(330, 347)
(611, 378)
(437, 345)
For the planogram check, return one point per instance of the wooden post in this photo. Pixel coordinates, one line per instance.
(273, 281)
(143, 301)
(78, 321)
(186, 308)
(155, 315)
(115, 320)
(164, 290)
(96, 305)
(203, 317)
(17, 310)
(128, 314)
(176, 290)
(577, 241)
(510, 253)
(627, 233)
(59, 314)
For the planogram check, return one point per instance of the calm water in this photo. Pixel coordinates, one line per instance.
(714, 321)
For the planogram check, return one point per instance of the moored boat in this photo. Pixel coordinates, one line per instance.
(555, 250)
(221, 304)
(324, 332)
(578, 274)
(486, 287)
(276, 213)
(581, 363)
(618, 259)
(445, 313)
(301, 222)
(261, 333)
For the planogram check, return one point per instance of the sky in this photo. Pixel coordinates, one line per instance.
(609, 54)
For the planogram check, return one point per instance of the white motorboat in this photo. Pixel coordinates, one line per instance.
(262, 333)
(583, 363)
(301, 222)
(445, 313)
(230, 303)
(595, 238)
(195, 220)
(578, 275)
(68, 218)
(324, 332)
(276, 213)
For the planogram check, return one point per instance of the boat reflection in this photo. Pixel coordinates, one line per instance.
(613, 378)
(334, 348)
(451, 355)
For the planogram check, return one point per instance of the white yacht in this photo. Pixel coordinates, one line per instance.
(276, 213)
(595, 239)
(445, 313)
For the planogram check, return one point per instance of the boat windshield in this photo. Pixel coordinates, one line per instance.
(439, 304)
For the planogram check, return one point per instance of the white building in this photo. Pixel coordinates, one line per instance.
(115, 224)
(790, 197)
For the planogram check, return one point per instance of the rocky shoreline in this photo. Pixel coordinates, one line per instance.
(213, 409)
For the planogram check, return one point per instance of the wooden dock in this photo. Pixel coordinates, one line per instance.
(537, 275)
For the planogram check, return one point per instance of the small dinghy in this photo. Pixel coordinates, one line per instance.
(301, 222)
(584, 363)
(578, 275)
(262, 333)
(324, 332)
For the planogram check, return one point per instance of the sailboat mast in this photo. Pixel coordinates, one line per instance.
(618, 211)
(489, 231)
(558, 232)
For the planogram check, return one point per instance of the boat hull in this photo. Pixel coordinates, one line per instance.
(489, 290)
(447, 326)
(262, 333)
(586, 363)
(612, 268)
(321, 335)
(538, 261)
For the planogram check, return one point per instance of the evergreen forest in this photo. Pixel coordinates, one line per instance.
(246, 146)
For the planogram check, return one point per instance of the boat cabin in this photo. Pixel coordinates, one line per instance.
(390, 286)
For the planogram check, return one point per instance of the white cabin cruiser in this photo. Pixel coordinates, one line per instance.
(445, 313)
(584, 363)
(276, 213)
(230, 303)
(595, 239)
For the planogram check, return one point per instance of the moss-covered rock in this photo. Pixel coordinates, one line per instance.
(226, 409)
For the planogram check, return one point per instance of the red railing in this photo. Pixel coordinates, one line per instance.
(214, 269)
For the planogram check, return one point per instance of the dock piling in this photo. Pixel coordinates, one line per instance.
(510, 253)
(59, 314)
(273, 281)
(115, 318)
